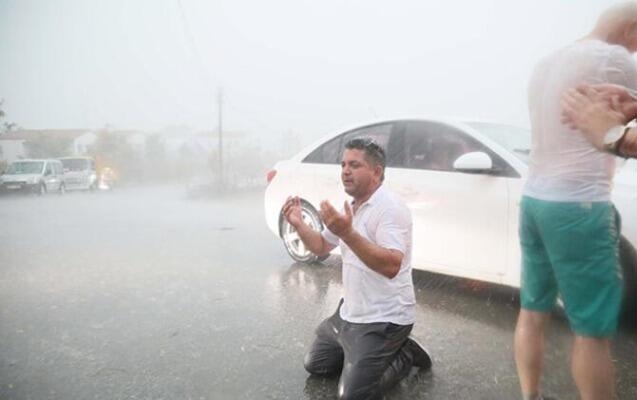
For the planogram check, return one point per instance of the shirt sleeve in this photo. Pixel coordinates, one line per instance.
(394, 229)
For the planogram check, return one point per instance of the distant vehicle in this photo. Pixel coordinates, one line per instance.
(462, 182)
(33, 176)
(79, 173)
(107, 178)
(202, 184)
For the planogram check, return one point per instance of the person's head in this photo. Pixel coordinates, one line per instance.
(362, 167)
(618, 25)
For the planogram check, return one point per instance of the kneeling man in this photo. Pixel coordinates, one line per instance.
(367, 339)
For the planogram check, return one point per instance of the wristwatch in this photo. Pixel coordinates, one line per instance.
(614, 138)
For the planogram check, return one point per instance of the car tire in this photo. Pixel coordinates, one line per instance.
(41, 189)
(628, 260)
(62, 190)
(293, 244)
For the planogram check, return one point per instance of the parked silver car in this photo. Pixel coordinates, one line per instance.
(33, 176)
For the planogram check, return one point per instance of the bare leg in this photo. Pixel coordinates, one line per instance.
(529, 350)
(593, 369)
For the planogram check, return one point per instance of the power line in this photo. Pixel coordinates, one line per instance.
(193, 47)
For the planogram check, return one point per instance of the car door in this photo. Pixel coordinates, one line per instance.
(58, 171)
(49, 177)
(460, 219)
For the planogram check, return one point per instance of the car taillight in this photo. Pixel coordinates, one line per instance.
(270, 175)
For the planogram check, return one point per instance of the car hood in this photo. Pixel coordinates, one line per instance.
(20, 177)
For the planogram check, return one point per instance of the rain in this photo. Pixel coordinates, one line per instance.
(163, 280)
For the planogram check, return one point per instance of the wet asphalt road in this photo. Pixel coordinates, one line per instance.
(142, 293)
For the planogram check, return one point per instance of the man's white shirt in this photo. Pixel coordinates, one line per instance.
(369, 296)
(564, 166)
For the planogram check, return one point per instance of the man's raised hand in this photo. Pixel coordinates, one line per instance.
(292, 211)
(337, 223)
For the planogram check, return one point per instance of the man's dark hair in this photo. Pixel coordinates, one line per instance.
(373, 152)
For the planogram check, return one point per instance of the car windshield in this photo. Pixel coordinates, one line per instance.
(75, 164)
(515, 139)
(25, 167)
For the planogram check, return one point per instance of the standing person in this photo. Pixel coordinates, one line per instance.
(367, 338)
(569, 229)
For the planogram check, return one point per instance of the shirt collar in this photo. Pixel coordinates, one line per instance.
(374, 198)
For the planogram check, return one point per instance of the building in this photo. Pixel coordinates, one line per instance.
(12, 144)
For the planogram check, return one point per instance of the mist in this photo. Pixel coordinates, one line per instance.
(284, 67)
(163, 278)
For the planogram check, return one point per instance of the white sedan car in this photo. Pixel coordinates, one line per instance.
(462, 182)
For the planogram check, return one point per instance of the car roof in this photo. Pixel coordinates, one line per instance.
(35, 160)
(457, 122)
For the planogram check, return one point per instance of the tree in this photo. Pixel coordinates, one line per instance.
(4, 125)
(113, 151)
(156, 163)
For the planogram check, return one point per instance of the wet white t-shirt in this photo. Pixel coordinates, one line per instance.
(564, 166)
(369, 297)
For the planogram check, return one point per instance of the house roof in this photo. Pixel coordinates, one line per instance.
(29, 134)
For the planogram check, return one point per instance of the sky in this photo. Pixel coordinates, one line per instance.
(280, 67)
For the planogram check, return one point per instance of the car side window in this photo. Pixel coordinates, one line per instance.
(327, 153)
(331, 151)
(48, 170)
(436, 146)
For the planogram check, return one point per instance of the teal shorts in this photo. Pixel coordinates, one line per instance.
(572, 249)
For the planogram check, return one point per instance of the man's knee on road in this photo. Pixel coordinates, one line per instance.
(321, 365)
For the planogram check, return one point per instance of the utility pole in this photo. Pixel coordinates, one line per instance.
(220, 116)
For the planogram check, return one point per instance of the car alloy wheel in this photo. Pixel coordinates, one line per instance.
(293, 243)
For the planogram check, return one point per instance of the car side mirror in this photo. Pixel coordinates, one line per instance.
(474, 162)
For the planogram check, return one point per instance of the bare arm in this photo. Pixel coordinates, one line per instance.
(594, 109)
(385, 261)
(312, 239)
(590, 111)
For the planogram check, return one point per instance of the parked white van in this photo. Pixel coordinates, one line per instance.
(79, 173)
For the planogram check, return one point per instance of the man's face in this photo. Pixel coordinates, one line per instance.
(359, 177)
